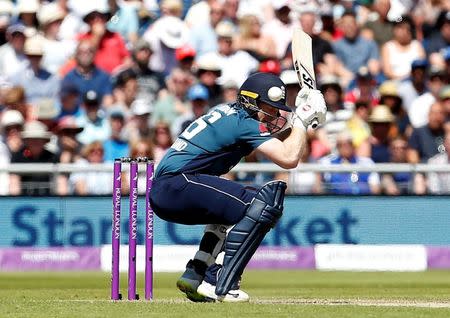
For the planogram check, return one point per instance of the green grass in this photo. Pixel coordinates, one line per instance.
(273, 294)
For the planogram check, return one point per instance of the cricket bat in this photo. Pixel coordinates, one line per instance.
(303, 61)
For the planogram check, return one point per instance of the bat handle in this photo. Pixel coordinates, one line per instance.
(314, 124)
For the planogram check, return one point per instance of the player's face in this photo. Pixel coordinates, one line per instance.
(271, 117)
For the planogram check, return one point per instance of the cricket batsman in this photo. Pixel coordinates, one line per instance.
(188, 188)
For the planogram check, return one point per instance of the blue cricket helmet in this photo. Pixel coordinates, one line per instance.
(266, 87)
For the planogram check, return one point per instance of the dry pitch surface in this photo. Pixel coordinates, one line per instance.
(273, 294)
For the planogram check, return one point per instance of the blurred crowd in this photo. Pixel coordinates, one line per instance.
(88, 81)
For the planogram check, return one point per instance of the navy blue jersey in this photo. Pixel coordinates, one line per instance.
(214, 143)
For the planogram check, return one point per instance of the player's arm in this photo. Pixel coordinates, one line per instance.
(311, 110)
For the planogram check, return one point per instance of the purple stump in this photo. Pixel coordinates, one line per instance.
(149, 234)
(115, 240)
(132, 231)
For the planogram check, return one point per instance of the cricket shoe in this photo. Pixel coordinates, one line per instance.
(208, 288)
(191, 279)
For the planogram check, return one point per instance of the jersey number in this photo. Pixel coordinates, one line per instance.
(199, 124)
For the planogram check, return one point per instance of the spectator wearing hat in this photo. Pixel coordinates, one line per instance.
(230, 91)
(12, 56)
(354, 183)
(91, 182)
(353, 50)
(37, 82)
(56, 51)
(390, 97)
(229, 57)
(139, 126)
(14, 99)
(281, 27)
(6, 11)
(124, 20)
(69, 149)
(185, 56)
(12, 123)
(171, 103)
(72, 23)
(427, 141)
(93, 120)
(420, 107)
(86, 76)
(68, 100)
(197, 96)
(380, 28)
(165, 35)
(249, 38)
(203, 37)
(358, 125)
(150, 82)
(208, 72)
(411, 88)
(116, 146)
(35, 136)
(398, 53)
(365, 89)
(439, 183)
(381, 121)
(110, 48)
(27, 15)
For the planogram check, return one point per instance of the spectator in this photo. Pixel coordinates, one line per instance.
(116, 146)
(208, 72)
(12, 123)
(230, 10)
(358, 126)
(138, 148)
(165, 35)
(380, 28)
(125, 90)
(353, 50)
(390, 97)
(397, 183)
(95, 125)
(439, 39)
(6, 11)
(365, 89)
(68, 100)
(150, 82)
(250, 39)
(324, 59)
(203, 37)
(27, 15)
(420, 107)
(91, 182)
(69, 149)
(12, 56)
(87, 76)
(185, 56)
(56, 51)
(139, 126)
(14, 99)
(37, 82)
(398, 53)
(229, 57)
(72, 23)
(444, 97)
(198, 97)
(427, 141)
(35, 136)
(110, 49)
(281, 27)
(439, 183)
(198, 13)
(47, 113)
(349, 183)
(162, 140)
(124, 20)
(415, 86)
(170, 105)
(381, 121)
(230, 91)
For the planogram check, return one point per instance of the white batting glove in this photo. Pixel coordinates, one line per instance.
(311, 109)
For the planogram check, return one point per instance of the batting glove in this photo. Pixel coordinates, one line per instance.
(311, 109)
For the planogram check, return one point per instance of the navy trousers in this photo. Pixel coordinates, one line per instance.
(199, 199)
